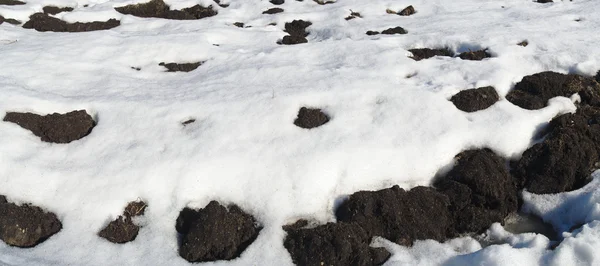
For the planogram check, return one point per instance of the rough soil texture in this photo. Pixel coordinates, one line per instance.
(181, 67)
(371, 32)
(277, 2)
(534, 91)
(297, 32)
(158, 9)
(9, 21)
(55, 128)
(396, 30)
(475, 55)
(43, 22)
(53, 10)
(567, 156)
(11, 2)
(409, 10)
(215, 232)
(333, 244)
(425, 53)
(473, 100)
(274, 10)
(26, 225)
(123, 229)
(310, 118)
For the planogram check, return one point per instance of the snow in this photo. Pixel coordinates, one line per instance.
(243, 148)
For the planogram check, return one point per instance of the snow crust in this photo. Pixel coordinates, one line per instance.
(391, 121)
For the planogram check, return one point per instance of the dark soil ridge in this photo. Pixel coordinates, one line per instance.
(409, 10)
(475, 55)
(473, 100)
(123, 229)
(11, 3)
(26, 226)
(390, 31)
(53, 10)
(55, 128)
(43, 22)
(272, 11)
(159, 9)
(297, 32)
(425, 53)
(215, 232)
(181, 67)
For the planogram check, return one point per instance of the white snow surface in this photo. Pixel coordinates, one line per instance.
(391, 121)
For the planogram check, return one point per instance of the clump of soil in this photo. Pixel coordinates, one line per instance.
(409, 10)
(123, 229)
(238, 24)
(523, 43)
(158, 9)
(324, 2)
(187, 122)
(9, 21)
(566, 157)
(425, 53)
(371, 32)
(277, 2)
(310, 118)
(215, 232)
(475, 55)
(297, 32)
(221, 5)
(544, 1)
(53, 10)
(274, 10)
(473, 100)
(534, 91)
(333, 244)
(26, 225)
(390, 31)
(11, 2)
(181, 67)
(43, 22)
(55, 128)
(353, 15)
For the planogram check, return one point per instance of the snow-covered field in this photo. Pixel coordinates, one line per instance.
(391, 121)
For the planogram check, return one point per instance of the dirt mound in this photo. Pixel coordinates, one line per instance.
(122, 229)
(425, 53)
(11, 2)
(53, 10)
(274, 10)
(567, 156)
(180, 67)
(534, 91)
(297, 32)
(277, 2)
(158, 9)
(473, 100)
(26, 225)
(55, 128)
(310, 118)
(390, 31)
(409, 10)
(215, 232)
(333, 244)
(43, 22)
(475, 55)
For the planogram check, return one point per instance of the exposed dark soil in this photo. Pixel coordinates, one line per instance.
(297, 32)
(11, 2)
(425, 53)
(353, 15)
(310, 118)
(597, 77)
(566, 157)
(534, 91)
(277, 2)
(324, 2)
(544, 1)
(158, 9)
(409, 10)
(43, 22)
(189, 121)
(333, 244)
(475, 55)
(181, 67)
(396, 30)
(9, 21)
(473, 100)
(215, 232)
(122, 229)
(55, 128)
(238, 24)
(370, 33)
(53, 10)
(26, 225)
(523, 43)
(221, 5)
(274, 10)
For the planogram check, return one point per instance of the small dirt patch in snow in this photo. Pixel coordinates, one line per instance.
(473, 100)
(277, 2)
(310, 118)
(409, 10)
(523, 43)
(475, 55)
(425, 53)
(9, 21)
(297, 32)
(390, 31)
(53, 10)
(181, 67)
(274, 10)
(55, 128)
(123, 229)
(11, 2)
(26, 225)
(43, 22)
(158, 9)
(215, 232)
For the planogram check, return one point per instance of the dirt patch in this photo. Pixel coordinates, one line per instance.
(238, 24)
(333, 244)
(55, 128)
(123, 229)
(523, 43)
(371, 33)
(11, 3)
(425, 53)
(158, 9)
(353, 15)
(274, 10)
(395, 30)
(566, 157)
(9, 21)
(26, 225)
(475, 55)
(473, 100)
(53, 10)
(534, 91)
(409, 10)
(310, 118)
(187, 122)
(297, 32)
(181, 67)
(215, 232)
(597, 77)
(324, 2)
(544, 1)
(277, 2)
(43, 22)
